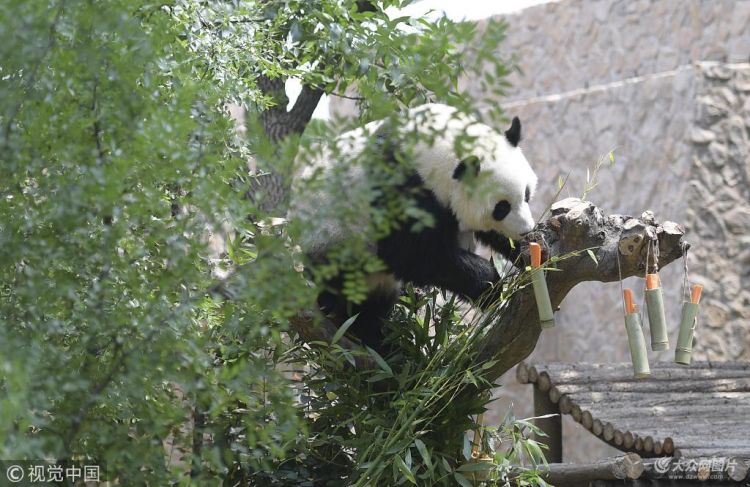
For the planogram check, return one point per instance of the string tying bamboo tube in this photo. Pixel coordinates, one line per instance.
(636, 340)
(656, 318)
(538, 280)
(683, 354)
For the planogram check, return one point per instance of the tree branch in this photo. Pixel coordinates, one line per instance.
(574, 226)
(270, 190)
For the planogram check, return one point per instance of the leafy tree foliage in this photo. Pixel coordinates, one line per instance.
(121, 169)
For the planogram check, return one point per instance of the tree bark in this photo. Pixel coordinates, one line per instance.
(269, 190)
(573, 227)
(576, 225)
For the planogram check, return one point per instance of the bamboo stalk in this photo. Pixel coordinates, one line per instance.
(539, 282)
(683, 354)
(637, 344)
(656, 317)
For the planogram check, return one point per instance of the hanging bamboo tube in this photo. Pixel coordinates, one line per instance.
(538, 280)
(656, 318)
(636, 340)
(683, 354)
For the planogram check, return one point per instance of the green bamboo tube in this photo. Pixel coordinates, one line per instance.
(546, 315)
(683, 354)
(637, 343)
(657, 320)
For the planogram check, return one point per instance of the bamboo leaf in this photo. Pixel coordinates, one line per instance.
(424, 452)
(342, 329)
(462, 481)
(593, 256)
(404, 469)
(380, 361)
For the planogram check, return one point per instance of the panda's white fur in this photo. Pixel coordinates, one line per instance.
(505, 174)
(327, 192)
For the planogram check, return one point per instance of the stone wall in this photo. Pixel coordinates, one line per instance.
(632, 76)
(719, 210)
(574, 44)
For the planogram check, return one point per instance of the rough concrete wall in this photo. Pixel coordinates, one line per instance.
(624, 74)
(572, 44)
(719, 210)
(645, 122)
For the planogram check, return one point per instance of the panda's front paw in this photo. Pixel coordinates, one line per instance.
(501, 244)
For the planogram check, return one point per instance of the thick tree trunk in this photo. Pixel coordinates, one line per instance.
(269, 190)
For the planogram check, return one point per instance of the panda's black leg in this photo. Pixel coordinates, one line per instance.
(369, 326)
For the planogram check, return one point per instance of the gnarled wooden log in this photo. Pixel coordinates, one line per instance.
(573, 227)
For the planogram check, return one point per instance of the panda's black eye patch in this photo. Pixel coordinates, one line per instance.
(501, 210)
(528, 194)
(467, 167)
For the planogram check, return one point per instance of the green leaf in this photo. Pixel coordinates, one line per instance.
(380, 361)
(404, 469)
(422, 449)
(593, 256)
(462, 481)
(342, 329)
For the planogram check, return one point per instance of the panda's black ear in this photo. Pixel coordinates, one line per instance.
(469, 167)
(513, 134)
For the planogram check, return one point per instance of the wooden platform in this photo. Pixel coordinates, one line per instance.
(701, 410)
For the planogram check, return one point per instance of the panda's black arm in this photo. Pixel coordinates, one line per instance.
(432, 256)
(467, 274)
(428, 263)
(499, 243)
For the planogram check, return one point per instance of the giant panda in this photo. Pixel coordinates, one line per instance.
(473, 181)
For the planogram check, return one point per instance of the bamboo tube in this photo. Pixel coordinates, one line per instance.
(546, 316)
(636, 341)
(656, 318)
(683, 354)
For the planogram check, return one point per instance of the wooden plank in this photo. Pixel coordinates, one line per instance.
(647, 386)
(656, 375)
(625, 369)
(679, 410)
(608, 398)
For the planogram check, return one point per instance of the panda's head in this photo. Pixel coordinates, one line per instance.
(480, 173)
(494, 184)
